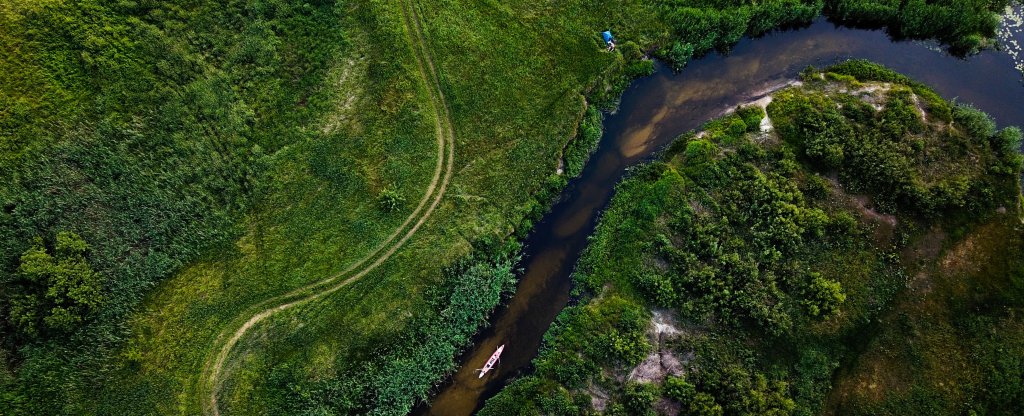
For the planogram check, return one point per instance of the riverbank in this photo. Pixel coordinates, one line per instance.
(655, 110)
(694, 302)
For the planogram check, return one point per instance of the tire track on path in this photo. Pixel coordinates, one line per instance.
(211, 380)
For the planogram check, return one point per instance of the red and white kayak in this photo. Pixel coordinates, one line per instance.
(491, 361)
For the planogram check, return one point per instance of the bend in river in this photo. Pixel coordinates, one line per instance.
(654, 111)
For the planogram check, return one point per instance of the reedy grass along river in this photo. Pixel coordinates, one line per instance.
(655, 110)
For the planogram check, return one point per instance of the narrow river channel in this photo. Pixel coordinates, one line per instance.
(657, 109)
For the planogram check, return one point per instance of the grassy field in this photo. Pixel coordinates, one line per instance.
(216, 155)
(759, 272)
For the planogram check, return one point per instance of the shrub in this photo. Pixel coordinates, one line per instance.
(638, 398)
(1007, 141)
(678, 54)
(390, 199)
(54, 292)
(823, 296)
(700, 151)
(656, 287)
(751, 116)
(588, 136)
(864, 70)
(973, 122)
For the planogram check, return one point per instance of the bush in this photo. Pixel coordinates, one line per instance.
(864, 70)
(390, 199)
(699, 152)
(973, 122)
(751, 116)
(639, 398)
(588, 136)
(823, 297)
(54, 292)
(1007, 141)
(678, 55)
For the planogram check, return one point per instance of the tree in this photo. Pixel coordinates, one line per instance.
(54, 291)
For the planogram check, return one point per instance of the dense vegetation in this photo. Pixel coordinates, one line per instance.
(863, 256)
(143, 129)
(405, 368)
(701, 26)
(167, 166)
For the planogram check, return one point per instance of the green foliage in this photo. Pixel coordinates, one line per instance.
(402, 370)
(846, 79)
(1007, 141)
(390, 199)
(638, 398)
(531, 396)
(611, 331)
(588, 135)
(678, 54)
(703, 26)
(699, 152)
(888, 157)
(729, 129)
(863, 70)
(637, 63)
(197, 142)
(733, 390)
(813, 126)
(974, 122)
(962, 24)
(53, 292)
(142, 126)
(824, 297)
(694, 403)
(813, 379)
(751, 116)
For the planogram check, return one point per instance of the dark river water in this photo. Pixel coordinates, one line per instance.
(657, 109)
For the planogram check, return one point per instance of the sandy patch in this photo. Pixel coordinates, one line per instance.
(661, 362)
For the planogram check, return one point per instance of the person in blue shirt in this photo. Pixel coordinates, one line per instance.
(609, 39)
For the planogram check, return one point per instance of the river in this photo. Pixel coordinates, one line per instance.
(655, 110)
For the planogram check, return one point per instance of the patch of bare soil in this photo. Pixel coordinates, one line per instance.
(957, 260)
(667, 407)
(662, 361)
(598, 397)
(884, 224)
(872, 93)
(863, 204)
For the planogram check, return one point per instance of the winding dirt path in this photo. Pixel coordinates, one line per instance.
(212, 377)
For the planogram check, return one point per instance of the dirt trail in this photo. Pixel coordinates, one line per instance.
(211, 380)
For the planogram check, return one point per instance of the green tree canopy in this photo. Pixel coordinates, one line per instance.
(54, 291)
